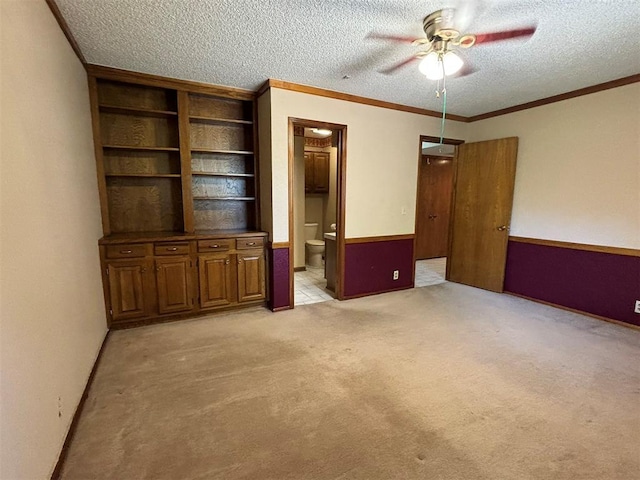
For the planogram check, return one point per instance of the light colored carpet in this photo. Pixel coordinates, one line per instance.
(445, 382)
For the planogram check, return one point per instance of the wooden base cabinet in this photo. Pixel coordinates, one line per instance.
(173, 280)
(129, 289)
(216, 281)
(158, 279)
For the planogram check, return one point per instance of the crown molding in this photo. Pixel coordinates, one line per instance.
(65, 29)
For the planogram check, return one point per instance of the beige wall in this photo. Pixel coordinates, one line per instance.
(52, 310)
(382, 160)
(578, 173)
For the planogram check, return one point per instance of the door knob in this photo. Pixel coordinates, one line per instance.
(502, 228)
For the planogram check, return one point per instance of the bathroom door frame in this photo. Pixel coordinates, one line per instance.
(341, 170)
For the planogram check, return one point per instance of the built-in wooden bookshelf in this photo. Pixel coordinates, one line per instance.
(178, 191)
(173, 160)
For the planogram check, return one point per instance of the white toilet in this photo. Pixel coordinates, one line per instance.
(314, 248)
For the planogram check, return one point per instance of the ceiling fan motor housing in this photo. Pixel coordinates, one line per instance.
(439, 25)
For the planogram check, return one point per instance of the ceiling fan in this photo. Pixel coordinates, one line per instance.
(442, 38)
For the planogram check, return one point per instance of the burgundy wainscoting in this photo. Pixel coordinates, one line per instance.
(603, 284)
(369, 267)
(279, 281)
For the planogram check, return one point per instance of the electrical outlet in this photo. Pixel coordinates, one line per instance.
(59, 407)
(396, 274)
(637, 309)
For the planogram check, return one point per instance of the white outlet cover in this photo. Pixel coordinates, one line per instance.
(637, 309)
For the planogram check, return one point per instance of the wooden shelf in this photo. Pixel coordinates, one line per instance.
(212, 174)
(149, 149)
(144, 175)
(202, 119)
(135, 110)
(244, 199)
(211, 150)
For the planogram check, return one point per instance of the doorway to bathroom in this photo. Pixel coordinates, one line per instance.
(433, 208)
(316, 213)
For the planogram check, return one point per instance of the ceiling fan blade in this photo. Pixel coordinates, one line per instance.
(505, 35)
(393, 38)
(393, 69)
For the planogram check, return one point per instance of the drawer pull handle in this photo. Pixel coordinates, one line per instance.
(215, 245)
(126, 251)
(226, 262)
(251, 244)
(172, 249)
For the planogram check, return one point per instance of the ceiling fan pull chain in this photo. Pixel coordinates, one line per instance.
(444, 104)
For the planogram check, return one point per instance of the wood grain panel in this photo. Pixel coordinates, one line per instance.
(138, 130)
(215, 107)
(164, 82)
(136, 96)
(222, 163)
(221, 136)
(632, 252)
(481, 213)
(251, 283)
(174, 284)
(126, 289)
(140, 162)
(144, 204)
(216, 281)
(209, 216)
(222, 186)
(382, 238)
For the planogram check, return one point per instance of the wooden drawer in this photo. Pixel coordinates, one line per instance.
(181, 248)
(127, 251)
(217, 245)
(249, 242)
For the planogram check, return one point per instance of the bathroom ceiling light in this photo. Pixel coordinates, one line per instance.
(322, 131)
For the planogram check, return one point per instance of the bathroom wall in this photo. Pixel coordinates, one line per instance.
(299, 207)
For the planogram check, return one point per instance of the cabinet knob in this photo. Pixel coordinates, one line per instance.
(172, 249)
(502, 228)
(125, 252)
(251, 244)
(227, 262)
(144, 269)
(239, 261)
(215, 245)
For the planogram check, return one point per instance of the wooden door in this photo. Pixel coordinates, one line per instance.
(308, 172)
(481, 213)
(127, 292)
(216, 281)
(321, 172)
(173, 280)
(435, 184)
(251, 284)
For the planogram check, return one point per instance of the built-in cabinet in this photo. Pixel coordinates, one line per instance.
(178, 192)
(316, 172)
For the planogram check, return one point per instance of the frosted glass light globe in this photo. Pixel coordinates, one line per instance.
(431, 65)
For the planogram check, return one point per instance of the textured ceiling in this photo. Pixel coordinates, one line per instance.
(242, 43)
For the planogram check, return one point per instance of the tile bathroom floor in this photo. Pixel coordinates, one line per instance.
(430, 272)
(309, 287)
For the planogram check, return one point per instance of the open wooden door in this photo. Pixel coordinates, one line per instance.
(435, 182)
(481, 213)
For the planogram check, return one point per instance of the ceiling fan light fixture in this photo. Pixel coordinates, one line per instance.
(431, 65)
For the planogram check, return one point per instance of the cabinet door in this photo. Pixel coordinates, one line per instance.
(127, 289)
(251, 282)
(321, 172)
(308, 173)
(173, 279)
(216, 281)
